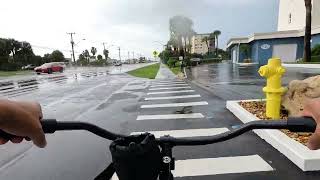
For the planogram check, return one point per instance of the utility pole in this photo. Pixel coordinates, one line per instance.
(132, 55)
(119, 54)
(128, 54)
(72, 45)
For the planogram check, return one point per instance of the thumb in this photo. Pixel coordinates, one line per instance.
(38, 137)
(314, 140)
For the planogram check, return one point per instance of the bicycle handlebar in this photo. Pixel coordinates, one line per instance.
(300, 124)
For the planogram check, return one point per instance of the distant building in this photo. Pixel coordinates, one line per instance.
(199, 47)
(287, 43)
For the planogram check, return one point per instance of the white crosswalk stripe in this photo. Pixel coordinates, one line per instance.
(170, 116)
(168, 88)
(154, 84)
(187, 132)
(172, 97)
(168, 85)
(170, 92)
(201, 103)
(194, 167)
(221, 165)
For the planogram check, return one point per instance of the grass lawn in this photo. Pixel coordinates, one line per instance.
(175, 70)
(14, 73)
(146, 72)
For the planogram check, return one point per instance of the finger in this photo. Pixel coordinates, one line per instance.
(38, 138)
(16, 140)
(314, 142)
(3, 141)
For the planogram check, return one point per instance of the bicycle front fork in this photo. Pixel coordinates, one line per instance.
(167, 164)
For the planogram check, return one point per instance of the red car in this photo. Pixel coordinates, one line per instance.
(50, 68)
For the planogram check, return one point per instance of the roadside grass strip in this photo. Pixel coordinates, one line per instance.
(146, 72)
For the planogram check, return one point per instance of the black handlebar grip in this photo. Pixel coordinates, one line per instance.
(49, 126)
(301, 124)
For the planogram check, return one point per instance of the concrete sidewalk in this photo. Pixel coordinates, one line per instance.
(165, 73)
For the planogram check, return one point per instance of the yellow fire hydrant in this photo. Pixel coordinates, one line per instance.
(273, 72)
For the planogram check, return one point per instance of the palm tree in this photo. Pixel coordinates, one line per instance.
(93, 51)
(217, 33)
(307, 36)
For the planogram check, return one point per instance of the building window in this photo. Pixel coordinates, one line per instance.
(290, 18)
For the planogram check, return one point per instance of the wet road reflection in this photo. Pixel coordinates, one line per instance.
(11, 88)
(233, 81)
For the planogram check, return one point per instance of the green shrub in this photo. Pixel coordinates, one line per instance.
(171, 62)
(316, 50)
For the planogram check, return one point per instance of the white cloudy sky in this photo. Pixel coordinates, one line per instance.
(133, 25)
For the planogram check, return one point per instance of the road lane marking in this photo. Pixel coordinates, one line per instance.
(168, 88)
(172, 97)
(170, 116)
(221, 165)
(170, 92)
(168, 85)
(200, 103)
(187, 132)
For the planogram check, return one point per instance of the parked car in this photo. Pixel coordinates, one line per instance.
(50, 68)
(28, 67)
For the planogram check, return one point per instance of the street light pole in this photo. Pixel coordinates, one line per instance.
(119, 54)
(72, 45)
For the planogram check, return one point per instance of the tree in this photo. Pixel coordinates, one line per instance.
(217, 33)
(25, 53)
(86, 54)
(307, 36)
(46, 58)
(106, 54)
(99, 57)
(93, 51)
(57, 56)
(181, 28)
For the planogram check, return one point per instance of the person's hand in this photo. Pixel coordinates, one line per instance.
(22, 119)
(312, 109)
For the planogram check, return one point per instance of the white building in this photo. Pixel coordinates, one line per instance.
(292, 14)
(287, 43)
(199, 47)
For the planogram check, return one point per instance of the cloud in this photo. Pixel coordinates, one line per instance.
(132, 24)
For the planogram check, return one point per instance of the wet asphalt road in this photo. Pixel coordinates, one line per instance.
(83, 94)
(234, 82)
(113, 101)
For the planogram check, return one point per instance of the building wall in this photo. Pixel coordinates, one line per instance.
(296, 9)
(197, 46)
(261, 56)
